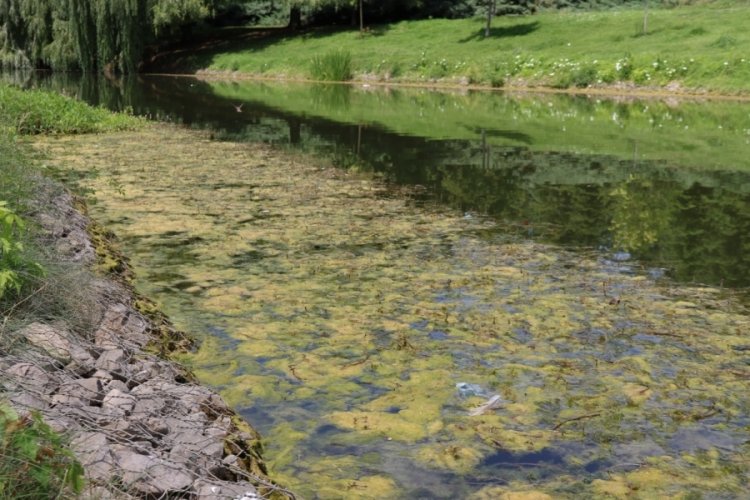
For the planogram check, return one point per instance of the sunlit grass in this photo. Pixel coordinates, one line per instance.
(39, 112)
(699, 47)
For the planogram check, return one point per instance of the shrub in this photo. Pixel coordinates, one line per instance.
(16, 269)
(34, 462)
(579, 77)
(334, 66)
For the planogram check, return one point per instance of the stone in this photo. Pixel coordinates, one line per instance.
(150, 475)
(68, 400)
(50, 340)
(89, 389)
(125, 323)
(28, 401)
(93, 451)
(117, 384)
(111, 360)
(31, 375)
(120, 400)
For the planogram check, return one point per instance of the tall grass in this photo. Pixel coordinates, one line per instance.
(333, 66)
(38, 112)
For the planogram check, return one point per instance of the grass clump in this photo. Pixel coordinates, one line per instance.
(38, 112)
(333, 66)
(34, 461)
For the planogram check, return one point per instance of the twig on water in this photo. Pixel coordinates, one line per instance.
(575, 419)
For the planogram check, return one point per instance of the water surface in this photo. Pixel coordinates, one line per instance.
(359, 324)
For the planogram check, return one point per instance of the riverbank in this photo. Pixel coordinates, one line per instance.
(692, 50)
(90, 356)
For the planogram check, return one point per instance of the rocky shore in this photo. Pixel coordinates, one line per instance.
(140, 424)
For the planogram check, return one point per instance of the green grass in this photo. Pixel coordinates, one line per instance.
(38, 112)
(705, 46)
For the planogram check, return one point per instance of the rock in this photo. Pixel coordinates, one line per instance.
(111, 360)
(68, 400)
(149, 475)
(28, 401)
(125, 323)
(94, 453)
(52, 341)
(88, 389)
(117, 384)
(28, 374)
(119, 400)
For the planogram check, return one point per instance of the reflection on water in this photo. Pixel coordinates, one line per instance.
(668, 185)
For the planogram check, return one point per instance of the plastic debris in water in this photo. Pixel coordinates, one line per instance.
(466, 389)
(621, 256)
(493, 403)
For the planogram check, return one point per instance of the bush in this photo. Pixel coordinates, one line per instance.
(16, 268)
(34, 462)
(580, 77)
(335, 66)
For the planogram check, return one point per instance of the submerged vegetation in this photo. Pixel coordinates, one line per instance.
(368, 336)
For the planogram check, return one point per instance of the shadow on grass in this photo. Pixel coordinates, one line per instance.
(504, 31)
(188, 57)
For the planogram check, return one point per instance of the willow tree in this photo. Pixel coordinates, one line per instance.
(28, 30)
(95, 35)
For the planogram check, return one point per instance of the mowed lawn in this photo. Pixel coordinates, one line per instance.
(699, 47)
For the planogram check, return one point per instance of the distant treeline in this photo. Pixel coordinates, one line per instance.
(114, 35)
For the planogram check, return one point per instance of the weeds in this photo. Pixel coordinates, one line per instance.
(334, 66)
(37, 112)
(34, 462)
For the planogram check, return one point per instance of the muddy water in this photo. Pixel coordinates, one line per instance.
(388, 346)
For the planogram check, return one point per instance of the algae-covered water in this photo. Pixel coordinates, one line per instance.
(390, 341)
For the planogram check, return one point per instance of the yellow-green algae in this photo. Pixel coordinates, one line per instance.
(341, 317)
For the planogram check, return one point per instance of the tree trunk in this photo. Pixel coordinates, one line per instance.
(490, 13)
(361, 17)
(295, 17)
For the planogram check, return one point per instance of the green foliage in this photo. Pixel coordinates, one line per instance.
(333, 66)
(34, 462)
(171, 15)
(16, 269)
(91, 34)
(37, 112)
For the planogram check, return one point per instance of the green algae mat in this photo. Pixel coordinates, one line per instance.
(388, 349)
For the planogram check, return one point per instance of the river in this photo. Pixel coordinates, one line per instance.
(582, 262)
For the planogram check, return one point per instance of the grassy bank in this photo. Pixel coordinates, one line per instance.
(36, 284)
(694, 47)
